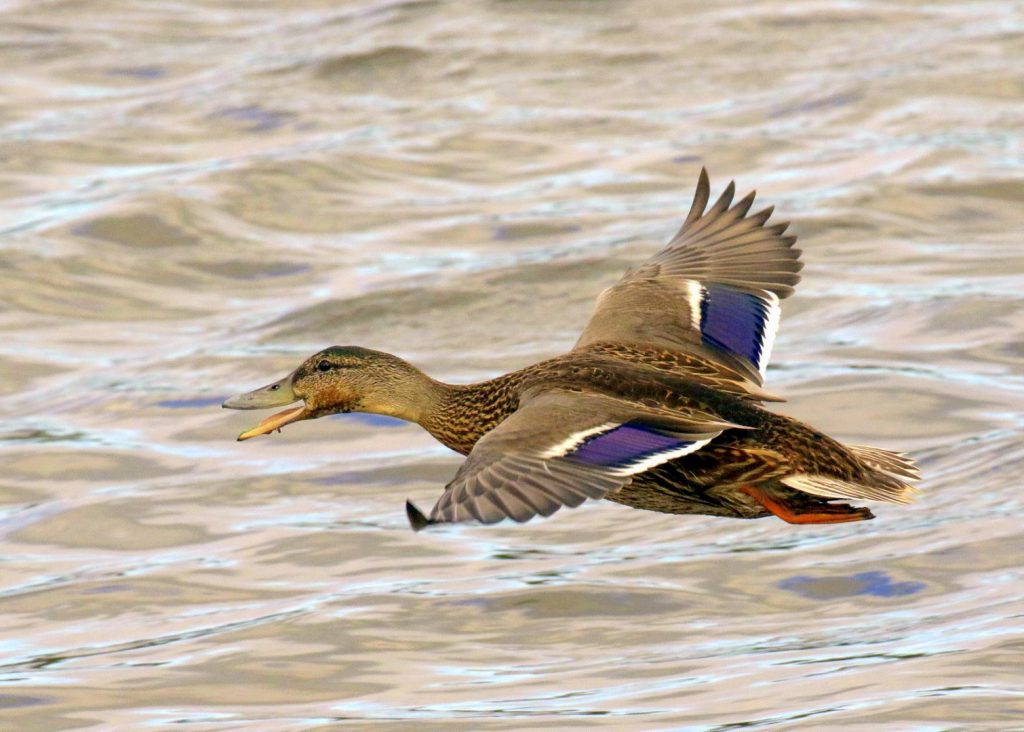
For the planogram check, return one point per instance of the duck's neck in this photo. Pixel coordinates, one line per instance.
(456, 415)
(459, 415)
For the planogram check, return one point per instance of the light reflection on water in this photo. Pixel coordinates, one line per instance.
(197, 198)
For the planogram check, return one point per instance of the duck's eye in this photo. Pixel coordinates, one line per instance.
(324, 366)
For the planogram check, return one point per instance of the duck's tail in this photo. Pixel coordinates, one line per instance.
(895, 464)
(884, 480)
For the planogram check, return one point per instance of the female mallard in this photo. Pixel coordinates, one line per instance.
(657, 406)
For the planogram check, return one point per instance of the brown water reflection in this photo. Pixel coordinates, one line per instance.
(195, 196)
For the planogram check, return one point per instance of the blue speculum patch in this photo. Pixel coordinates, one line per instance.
(733, 321)
(876, 583)
(625, 444)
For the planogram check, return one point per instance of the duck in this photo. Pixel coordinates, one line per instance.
(660, 405)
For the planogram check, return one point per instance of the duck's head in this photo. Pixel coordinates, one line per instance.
(338, 379)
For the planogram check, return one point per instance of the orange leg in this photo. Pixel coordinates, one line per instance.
(825, 513)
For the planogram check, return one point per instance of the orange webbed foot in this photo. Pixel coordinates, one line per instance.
(822, 514)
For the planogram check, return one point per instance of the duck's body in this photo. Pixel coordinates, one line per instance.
(712, 480)
(658, 406)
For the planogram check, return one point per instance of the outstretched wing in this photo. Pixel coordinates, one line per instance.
(561, 448)
(714, 289)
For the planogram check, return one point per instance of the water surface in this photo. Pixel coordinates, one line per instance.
(197, 195)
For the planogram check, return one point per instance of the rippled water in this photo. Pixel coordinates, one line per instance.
(196, 195)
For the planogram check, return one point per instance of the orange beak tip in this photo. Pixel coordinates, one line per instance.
(273, 423)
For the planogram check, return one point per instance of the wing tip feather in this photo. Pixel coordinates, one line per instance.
(700, 198)
(725, 199)
(417, 520)
(743, 205)
(763, 215)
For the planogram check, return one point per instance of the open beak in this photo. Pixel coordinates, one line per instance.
(278, 394)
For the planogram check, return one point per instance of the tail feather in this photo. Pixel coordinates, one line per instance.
(891, 463)
(884, 488)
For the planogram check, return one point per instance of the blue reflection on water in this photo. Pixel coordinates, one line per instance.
(141, 72)
(284, 269)
(192, 403)
(260, 119)
(374, 420)
(875, 583)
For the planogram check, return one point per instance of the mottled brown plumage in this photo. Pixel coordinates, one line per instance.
(658, 406)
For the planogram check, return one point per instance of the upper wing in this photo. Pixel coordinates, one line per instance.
(560, 448)
(715, 287)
